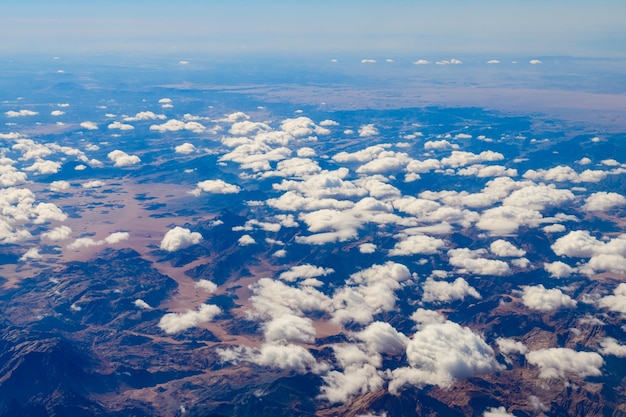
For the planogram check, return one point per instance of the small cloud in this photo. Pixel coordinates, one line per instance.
(367, 130)
(368, 61)
(246, 240)
(206, 285)
(57, 234)
(139, 303)
(535, 62)
(120, 126)
(32, 253)
(421, 62)
(122, 159)
(179, 238)
(185, 148)
(89, 125)
(177, 322)
(455, 61)
(215, 187)
(20, 113)
(93, 184)
(493, 61)
(144, 115)
(57, 113)
(183, 62)
(367, 248)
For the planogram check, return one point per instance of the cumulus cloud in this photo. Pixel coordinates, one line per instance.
(122, 159)
(44, 167)
(57, 113)
(367, 130)
(32, 253)
(610, 346)
(144, 115)
(174, 125)
(617, 301)
(177, 322)
(417, 244)
(603, 201)
(85, 242)
(539, 298)
(440, 354)
(276, 355)
(421, 62)
(304, 271)
(185, 149)
(506, 220)
(215, 187)
(463, 158)
(179, 238)
(120, 126)
(559, 362)
(246, 240)
(59, 186)
(496, 412)
(20, 113)
(504, 248)
(367, 248)
(472, 261)
(139, 303)
(206, 285)
(57, 234)
(508, 346)
(93, 184)
(444, 292)
(559, 269)
(89, 125)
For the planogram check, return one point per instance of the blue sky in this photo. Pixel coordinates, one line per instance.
(531, 27)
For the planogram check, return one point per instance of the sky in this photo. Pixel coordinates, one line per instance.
(557, 27)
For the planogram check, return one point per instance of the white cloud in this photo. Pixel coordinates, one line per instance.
(440, 354)
(603, 201)
(144, 115)
(304, 271)
(179, 238)
(215, 187)
(139, 303)
(274, 355)
(534, 61)
(445, 292)
(496, 412)
(557, 362)
(246, 240)
(538, 197)
(423, 318)
(554, 228)
(367, 130)
(185, 148)
(610, 346)
(174, 125)
(559, 269)
(178, 322)
(506, 220)
(122, 159)
(20, 113)
(57, 234)
(508, 346)
(44, 167)
(617, 301)
(471, 261)
(421, 62)
(493, 61)
(302, 127)
(417, 244)
(120, 126)
(206, 285)
(563, 174)
(505, 249)
(461, 158)
(32, 253)
(93, 184)
(57, 113)
(439, 145)
(542, 299)
(367, 248)
(328, 122)
(289, 328)
(368, 61)
(85, 242)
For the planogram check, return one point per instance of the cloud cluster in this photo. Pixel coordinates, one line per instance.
(440, 354)
(174, 125)
(85, 242)
(444, 292)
